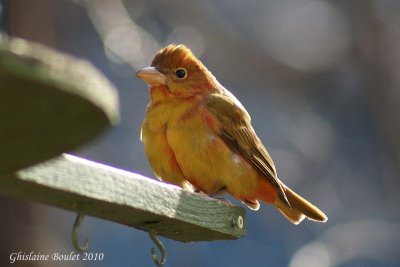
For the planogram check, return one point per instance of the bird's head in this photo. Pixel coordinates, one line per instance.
(176, 69)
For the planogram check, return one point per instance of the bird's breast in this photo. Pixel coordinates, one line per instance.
(204, 158)
(192, 134)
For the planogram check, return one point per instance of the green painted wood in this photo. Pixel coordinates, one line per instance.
(98, 190)
(50, 103)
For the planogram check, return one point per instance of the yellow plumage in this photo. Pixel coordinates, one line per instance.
(196, 133)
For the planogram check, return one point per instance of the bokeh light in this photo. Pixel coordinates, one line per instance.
(321, 81)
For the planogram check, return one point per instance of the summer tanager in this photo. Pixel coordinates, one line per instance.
(197, 134)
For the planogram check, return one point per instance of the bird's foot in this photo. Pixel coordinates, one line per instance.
(224, 200)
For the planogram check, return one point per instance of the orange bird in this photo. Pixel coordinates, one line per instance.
(197, 134)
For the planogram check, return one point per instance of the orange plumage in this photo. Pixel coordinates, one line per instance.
(197, 134)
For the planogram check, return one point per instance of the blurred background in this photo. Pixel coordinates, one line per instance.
(321, 81)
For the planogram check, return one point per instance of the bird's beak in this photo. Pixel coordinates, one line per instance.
(151, 76)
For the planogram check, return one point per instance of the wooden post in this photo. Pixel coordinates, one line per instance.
(128, 198)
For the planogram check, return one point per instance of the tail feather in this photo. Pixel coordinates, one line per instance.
(299, 208)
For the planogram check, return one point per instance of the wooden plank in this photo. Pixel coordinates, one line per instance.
(98, 190)
(50, 103)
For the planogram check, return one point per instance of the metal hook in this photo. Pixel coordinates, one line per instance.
(79, 219)
(160, 245)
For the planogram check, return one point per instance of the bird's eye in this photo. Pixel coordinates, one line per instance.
(180, 73)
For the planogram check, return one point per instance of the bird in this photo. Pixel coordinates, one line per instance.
(197, 135)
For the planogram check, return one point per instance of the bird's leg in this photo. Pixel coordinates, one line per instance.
(221, 191)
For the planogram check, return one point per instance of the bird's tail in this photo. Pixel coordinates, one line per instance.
(299, 208)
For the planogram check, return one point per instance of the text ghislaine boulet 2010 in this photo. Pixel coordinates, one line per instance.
(55, 256)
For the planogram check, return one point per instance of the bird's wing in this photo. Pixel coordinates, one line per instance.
(239, 135)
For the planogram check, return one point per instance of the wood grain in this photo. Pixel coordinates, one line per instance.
(128, 198)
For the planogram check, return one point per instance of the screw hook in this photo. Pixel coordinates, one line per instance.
(78, 221)
(160, 245)
(238, 222)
